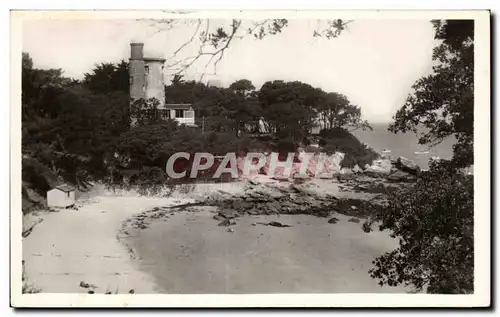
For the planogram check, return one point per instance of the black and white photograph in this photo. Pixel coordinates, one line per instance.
(298, 159)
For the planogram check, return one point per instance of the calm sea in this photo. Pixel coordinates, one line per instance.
(404, 144)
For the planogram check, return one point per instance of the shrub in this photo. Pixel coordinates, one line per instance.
(339, 139)
(434, 221)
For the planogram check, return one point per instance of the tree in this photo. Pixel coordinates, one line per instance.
(145, 112)
(336, 111)
(108, 77)
(289, 108)
(443, 102)
(242, 106)
(68, 128)
(434, 219)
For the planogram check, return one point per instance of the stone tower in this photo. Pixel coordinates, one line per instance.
(146, 75)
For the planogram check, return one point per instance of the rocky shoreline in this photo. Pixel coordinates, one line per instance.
(350, 197)
(295, 231)
(357, 195)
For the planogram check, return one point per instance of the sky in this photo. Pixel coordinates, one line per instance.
(374, 62)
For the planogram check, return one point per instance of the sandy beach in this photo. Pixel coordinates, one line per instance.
(187, 252)
(69, 247)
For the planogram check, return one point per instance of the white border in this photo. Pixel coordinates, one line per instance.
(481, 297)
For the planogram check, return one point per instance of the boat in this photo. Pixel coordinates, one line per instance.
(421, 153)
(386, 151)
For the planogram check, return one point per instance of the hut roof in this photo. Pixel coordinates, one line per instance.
(65, 188)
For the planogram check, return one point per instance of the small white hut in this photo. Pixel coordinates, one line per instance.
(61, 196)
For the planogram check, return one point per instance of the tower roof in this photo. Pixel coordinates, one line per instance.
(154, 59)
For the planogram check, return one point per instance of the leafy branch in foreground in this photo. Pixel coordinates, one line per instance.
(434, 219)
(443, 102)
(434, 222)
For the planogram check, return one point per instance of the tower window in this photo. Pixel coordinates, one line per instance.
(131, 80)
(146, 69)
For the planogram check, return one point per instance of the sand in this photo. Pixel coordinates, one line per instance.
(73, 246)
(189, 253)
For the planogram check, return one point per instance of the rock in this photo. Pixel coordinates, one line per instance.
(356, 169)
(346, 171)
(228, 213)
(253, 211)
(382, 165)
(34, 196)
(227, 223)
(131, 291)
(273, 207)
(394, 170)
(219, 217)
(362, 187)
(376, 171)
(367, 228)
(355, 220)
(241, 205)
(277, 224)
(280, 178)
(407, 165)
(325, 176)
(401, 176)
(333, 220)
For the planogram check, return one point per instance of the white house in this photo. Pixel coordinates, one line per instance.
(61, 196)
(181, 112)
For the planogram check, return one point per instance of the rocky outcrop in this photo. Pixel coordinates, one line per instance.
(346, 171)
(400, 176)
(356, 169)
(394, 170)
(379, 168)
(407, 166)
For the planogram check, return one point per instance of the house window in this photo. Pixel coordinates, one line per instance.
(179, 113)
(146, 69)
(165, 114)
(189, 114)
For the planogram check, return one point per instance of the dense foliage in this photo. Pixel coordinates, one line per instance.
(434, 219)
(434, 222)
(81, 131)
(340, 140)
(67, 129)
(443, 102)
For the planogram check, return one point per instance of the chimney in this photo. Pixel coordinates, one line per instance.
(136, 50)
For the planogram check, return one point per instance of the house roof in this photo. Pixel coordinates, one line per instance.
(185, 106)
(65, 188)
